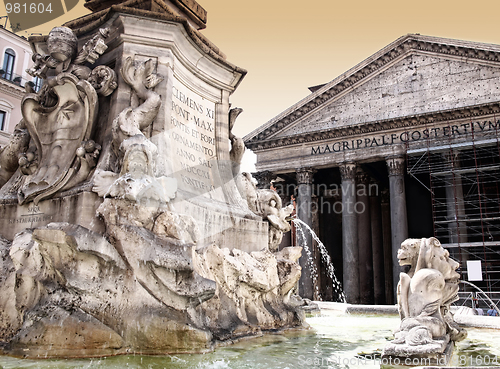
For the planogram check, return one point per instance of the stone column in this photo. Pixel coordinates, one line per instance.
(350, 252)
(399, 223)
(387, 244)
(365, 266)
(377, 244)
(316, 253)
(455, 209)
(304, 206)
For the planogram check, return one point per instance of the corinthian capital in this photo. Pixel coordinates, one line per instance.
(264, 179)
(348, 171)
(396, 165)
(305, 175)
(362, 177)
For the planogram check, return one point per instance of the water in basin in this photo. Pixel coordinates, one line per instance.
(335, 340)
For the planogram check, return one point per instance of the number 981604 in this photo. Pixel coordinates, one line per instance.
(26, 8)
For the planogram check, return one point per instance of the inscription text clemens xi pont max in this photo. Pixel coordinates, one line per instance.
(192, 134)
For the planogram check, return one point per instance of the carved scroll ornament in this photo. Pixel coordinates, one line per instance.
(57, 150)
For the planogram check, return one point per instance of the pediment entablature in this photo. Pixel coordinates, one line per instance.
(402, 123)
(296, 121)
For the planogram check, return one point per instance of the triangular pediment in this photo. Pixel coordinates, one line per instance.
(415, 75)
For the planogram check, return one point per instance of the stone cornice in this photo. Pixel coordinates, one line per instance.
(362, 177)
(377, 126)
(11, 89)
(485, 53)
(14, 38)
(190, 8)
(91, 22)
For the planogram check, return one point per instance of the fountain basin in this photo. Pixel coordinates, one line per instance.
(335, 339)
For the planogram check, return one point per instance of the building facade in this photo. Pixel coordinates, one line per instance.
(15, 59)
(403, 145)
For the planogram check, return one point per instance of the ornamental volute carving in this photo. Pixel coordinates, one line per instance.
(396, 166)
(264, 179)
(348, 171)
(362, 177)
(305, 175)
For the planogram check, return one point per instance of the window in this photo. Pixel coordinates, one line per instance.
(37, 83)
(3, 116)
(8, 64)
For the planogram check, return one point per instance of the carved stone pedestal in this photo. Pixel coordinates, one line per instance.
(124, 223)
(410, 356)
(77, 208)
(427, 331)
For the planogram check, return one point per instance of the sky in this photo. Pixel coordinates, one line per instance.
(287, 45)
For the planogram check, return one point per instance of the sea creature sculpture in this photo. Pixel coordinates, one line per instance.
(425, 294)
(267, 204)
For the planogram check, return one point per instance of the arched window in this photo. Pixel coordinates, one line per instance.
(8, 64)
(3, 117)
(5, 111)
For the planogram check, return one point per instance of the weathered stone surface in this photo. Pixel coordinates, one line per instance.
(252, 290)
(394, 92)
(10, 320)
(75, 207)
(57, 332)
(164, 255)
(425, 294)
(58, 285)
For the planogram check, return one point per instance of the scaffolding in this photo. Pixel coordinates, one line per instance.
(463, 182)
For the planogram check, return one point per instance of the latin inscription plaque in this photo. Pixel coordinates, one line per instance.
(192, 135)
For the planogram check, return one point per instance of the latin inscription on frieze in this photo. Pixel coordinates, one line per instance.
(192, 134)
(446, 133)
(33, 216)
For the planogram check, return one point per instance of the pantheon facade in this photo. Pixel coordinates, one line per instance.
(403, 145)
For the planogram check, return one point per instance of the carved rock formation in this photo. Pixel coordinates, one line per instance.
(425, 294)
(148, 281)
(53, 143)
(267, 204)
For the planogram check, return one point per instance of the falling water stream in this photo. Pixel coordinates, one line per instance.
(330, 270)
(483, 293)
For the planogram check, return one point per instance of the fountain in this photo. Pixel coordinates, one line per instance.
(325, 256)
(335, 340)
(128, 229)
(425, 295)
(126, 225)
(492, 304)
